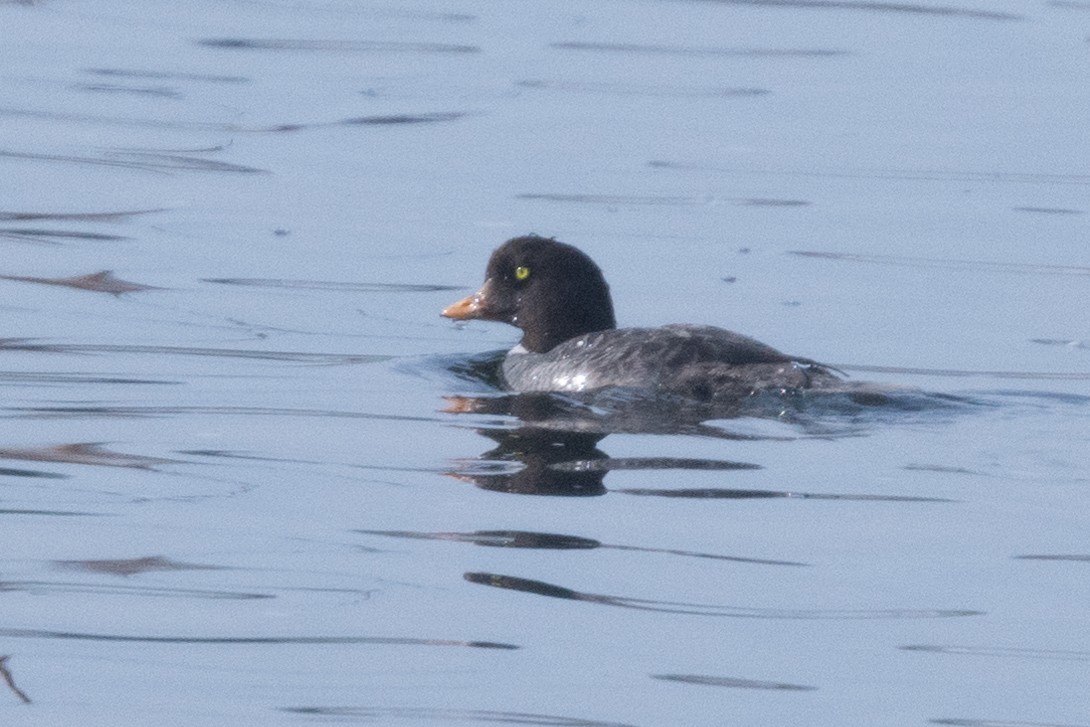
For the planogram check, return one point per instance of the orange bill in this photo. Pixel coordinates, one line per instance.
(475, 306)
(464, 309)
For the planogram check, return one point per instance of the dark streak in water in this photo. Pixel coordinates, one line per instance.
(716, 493)
(414, 714)
(874, 5)
(701, 51)
(165, 75)
(1047, 399)
(549, 541)
(223, 454)
(42, 587)
(1067, 343)
(927, 175)
(379, 120)
(153, 91)
(424, 15)
(732, 682)
(100, 282)
(335, 46)
(36, 474)
(767, 202)
(104, 120)
(966, 373)
(997, 723)
(639, 89)
(620, 199)
(132, 566)
(162, 162)
(248, 640)
(60, 412)
(49, 513)
(1000, 651)
(91, 453)
(329, 285)
(77, 216)
(692, 554)
(10, 680)
(1049, 210)
(172, 161)
(947, 263)
(943, 469)
(395, 119)
(63, 377)
(30, 234)
(1074, 558)
(322, 359)
(541, 588)
(498, 539)
(145, 161)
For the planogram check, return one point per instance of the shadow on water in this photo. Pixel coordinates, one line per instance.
(548, 444)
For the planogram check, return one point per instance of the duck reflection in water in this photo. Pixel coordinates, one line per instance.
(553, 449)
(551, 461)
(552, 446)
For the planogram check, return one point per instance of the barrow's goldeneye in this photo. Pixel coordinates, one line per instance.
(571, 343)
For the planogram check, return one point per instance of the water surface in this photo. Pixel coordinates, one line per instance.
(249, 476)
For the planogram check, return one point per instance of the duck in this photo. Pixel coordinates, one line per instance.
(558, 297)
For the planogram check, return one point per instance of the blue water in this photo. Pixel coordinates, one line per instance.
(252, 477)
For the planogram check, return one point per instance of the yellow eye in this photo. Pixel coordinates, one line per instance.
(522, 272)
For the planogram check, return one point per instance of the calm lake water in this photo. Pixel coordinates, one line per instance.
(249, 476)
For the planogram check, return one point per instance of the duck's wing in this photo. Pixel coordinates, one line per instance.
(655, 358)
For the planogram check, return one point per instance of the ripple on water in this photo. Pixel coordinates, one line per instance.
(246, 640)
(412, 714)
(732, 682)
(335, 46)
(1005, 652)
(541, 588)
(101, 282)
(550, 541)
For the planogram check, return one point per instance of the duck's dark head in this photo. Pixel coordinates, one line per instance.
(550, 290)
